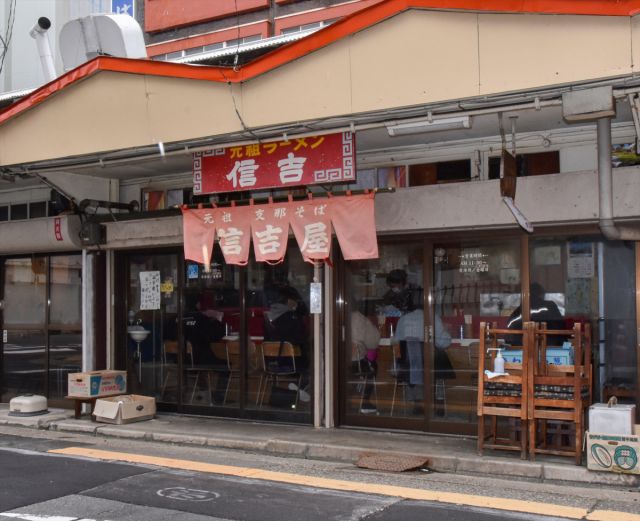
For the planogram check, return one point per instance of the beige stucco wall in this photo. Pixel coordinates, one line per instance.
(417, 57)
(113, 111)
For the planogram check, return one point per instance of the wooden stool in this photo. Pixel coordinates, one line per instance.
(77, 406)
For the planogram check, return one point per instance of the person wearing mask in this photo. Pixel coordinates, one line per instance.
(399, 297)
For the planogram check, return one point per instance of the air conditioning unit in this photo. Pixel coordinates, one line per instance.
(93, 234)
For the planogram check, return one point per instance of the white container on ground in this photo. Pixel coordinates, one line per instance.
(612, 418)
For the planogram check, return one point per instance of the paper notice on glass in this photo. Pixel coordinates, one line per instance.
(580, 267)
(149, 290)
(315, 300)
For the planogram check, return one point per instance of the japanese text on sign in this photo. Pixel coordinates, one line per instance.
(149, 290)
(297, 161)
(474, 262)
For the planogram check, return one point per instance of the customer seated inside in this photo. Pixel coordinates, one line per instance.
(286, 320)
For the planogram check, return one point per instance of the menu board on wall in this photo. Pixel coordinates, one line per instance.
(149, 290)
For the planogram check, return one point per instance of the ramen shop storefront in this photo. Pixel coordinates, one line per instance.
(231, 325)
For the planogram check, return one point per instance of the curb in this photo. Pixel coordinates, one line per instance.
(470, 465)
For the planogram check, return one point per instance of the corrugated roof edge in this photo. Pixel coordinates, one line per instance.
(350, 24)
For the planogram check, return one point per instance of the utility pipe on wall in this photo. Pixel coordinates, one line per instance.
(39, 34)
(605, 188)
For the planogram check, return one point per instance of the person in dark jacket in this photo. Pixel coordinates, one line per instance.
(200, 330)
(287, 321)
(541, 311)
(400, 294)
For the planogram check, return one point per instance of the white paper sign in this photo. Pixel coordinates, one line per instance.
(315, 301)
(5, 336)
(149, 290)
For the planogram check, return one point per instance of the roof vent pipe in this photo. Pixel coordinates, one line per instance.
(605, 188)
(39, 34)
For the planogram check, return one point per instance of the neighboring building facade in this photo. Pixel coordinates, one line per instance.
(176, 30)
(21, 69)
(426, 90)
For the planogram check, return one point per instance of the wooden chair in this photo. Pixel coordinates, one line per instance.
(170, 347)
(278, 364)
(559, 394)
(400, 378)
(503, 396)
(363, 374)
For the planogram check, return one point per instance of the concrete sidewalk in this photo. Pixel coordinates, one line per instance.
(445, 453)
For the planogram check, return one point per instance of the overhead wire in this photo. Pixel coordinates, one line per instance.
(9, 33)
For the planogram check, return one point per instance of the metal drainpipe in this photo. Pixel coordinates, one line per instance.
(605, 188)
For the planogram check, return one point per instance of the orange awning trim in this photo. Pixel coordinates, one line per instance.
(348, 25)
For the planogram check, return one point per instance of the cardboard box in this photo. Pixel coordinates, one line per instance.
(611, 453)
(97, 383)
(615, 419)
(126, 408)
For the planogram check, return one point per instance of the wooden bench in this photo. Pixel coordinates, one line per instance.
(78, 401)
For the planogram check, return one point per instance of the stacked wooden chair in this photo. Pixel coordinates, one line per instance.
(559, 394)
(503, 396)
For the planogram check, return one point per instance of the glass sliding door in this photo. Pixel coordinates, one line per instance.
(279, 341)
(151, 337)
(41, 325)
(219, 340)
(211, 322)
(24, 350)
(383, 352)
(473, 282)
(65, 321)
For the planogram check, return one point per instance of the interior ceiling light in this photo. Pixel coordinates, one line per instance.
(436, 125)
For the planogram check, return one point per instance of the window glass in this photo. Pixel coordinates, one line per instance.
(65, 357)
(252, 38)
(4, 213)
(214, 46)
(529, 164)
(23, 364)
(152, 333)
(25, 291)
(474, 282)
(19, 212)
(211, 325)
(382, 358)
(38, 209)
(621, 359)
(280, 354)
(442, 172)
(66, 290)
(193, 50)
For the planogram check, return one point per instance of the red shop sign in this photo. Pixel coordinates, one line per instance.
(277, 164)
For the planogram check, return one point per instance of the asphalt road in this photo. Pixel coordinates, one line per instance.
(36, 486)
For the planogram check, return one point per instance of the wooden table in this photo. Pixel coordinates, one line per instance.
(78, 401)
